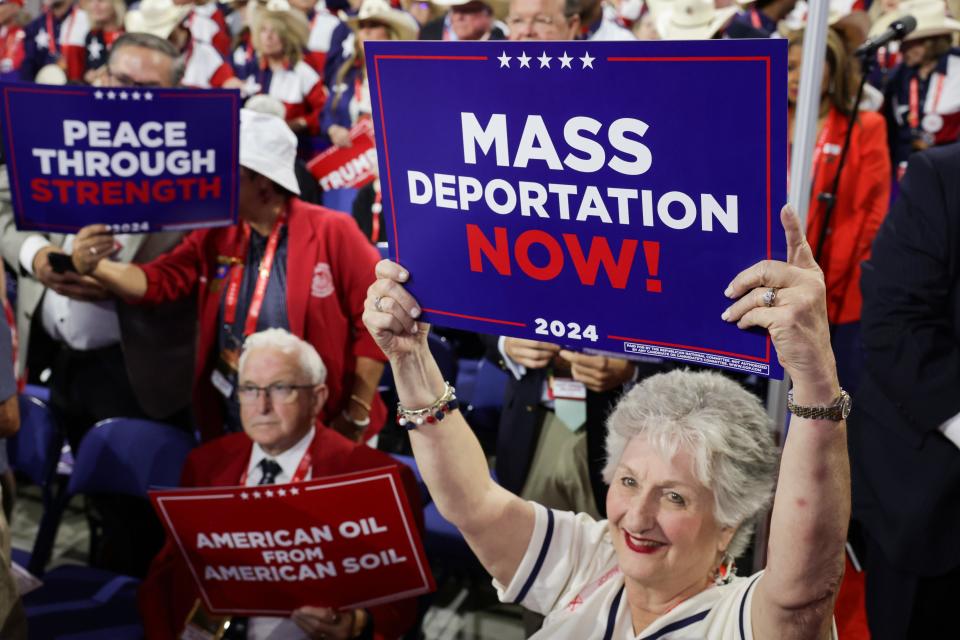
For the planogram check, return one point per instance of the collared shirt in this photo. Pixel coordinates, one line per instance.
(570, 574)
(78, 324)
(273, 312)
(263, 627)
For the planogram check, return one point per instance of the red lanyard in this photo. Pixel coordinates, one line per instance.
(263, 277)
(914, 117)
(53, 38)
(357, 89)
(375, 211)
(299, 475)
(821, 142)
(755, 19)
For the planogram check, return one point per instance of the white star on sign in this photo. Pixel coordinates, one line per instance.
(565, 61)
(148, 96)
(524, 60)
(269, 493)
(123, 95)
(94, 49)
(244, 495)
(111, 95)
(98, 94)
(42, 39)
(282, 492)
(136, 95)
(504, 60)
(544, 60)
(294, 491)
(587, 61)
(256, 494)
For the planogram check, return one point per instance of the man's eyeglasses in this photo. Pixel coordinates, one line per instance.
(279, 392)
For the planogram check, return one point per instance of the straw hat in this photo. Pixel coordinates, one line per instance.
(693, 20)
(931, 18)
(401, 22)
(156, 17)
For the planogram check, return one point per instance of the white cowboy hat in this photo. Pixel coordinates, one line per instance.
(51, 74)
(156, 17)
(931, 18)
(797, 19)
(401, 22)
(269, 147)
(693, 20)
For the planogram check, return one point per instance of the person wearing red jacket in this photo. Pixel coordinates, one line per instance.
(861, 200)
(281, 392)
(287, 264)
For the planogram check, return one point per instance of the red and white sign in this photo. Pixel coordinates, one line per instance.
(345, 541)
(354, 166)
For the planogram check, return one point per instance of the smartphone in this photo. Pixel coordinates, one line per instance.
(60, 262)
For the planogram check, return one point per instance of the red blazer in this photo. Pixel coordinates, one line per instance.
(330, 265)
(168, 593)
(862, 202)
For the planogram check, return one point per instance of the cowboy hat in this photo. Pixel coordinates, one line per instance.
(797, 19)
(693, 20)
(931, 18)
(401, 22)
(156, 17)
(269, 147)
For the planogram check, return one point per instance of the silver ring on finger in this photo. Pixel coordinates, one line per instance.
(93, 250)
(770, 297)
(376, 303)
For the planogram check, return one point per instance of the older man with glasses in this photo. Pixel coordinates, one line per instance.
(281, 392)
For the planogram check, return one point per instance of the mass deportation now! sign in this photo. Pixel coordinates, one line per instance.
(600, 195)
(139, 160)
(345, 541)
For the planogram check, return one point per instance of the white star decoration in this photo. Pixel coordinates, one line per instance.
(544, 60)
(524, 60)
(42, 39)
(587, 60)
(565, 61)
(256, 494)
(269, 493)
(111, 95)
(294, 491)
(504, 60)
(136, 95)
(282, 492)
(98, 94)
(95, 49)
(244, 495)
(148, 96)
(123, 95)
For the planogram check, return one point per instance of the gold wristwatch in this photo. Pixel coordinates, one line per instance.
(837, 411)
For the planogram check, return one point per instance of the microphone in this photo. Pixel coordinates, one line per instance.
(897, 30)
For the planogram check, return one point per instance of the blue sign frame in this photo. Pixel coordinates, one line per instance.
(138, 159)
(600, 195)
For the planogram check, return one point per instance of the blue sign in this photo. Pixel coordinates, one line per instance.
(600, 195)
(137, 159)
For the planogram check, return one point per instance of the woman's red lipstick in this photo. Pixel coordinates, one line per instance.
(641, 548)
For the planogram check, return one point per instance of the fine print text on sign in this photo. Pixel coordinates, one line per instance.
(140, 160)
(348, 167)
(600, 195)
(345, 541)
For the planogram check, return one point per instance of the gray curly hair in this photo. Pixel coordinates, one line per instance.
(724, 428)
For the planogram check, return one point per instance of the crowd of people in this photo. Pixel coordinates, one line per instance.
(268, 339)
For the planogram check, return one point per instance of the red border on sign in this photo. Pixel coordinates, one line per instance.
(390, 474)
(765, 59)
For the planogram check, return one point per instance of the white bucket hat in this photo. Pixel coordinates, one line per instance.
(931, 18)
(269, 147)
(156, 17)
(693, 20)
(401, 22)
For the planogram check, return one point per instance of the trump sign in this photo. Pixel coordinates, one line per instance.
(599, 195)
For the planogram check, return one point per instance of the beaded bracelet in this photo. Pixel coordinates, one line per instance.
(412, 418)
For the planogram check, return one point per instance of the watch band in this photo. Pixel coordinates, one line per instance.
(836, 412)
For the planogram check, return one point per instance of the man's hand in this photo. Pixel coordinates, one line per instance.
(599, 373)
(321, 623)
(93, 243)
(531, 354)
(71, 285)
(339, 136)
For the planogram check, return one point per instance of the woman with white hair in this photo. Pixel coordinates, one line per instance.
(691, 465)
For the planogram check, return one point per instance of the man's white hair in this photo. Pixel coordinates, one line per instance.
(720, 424)
(311, 364)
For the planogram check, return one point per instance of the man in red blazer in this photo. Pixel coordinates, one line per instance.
(281, 390)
